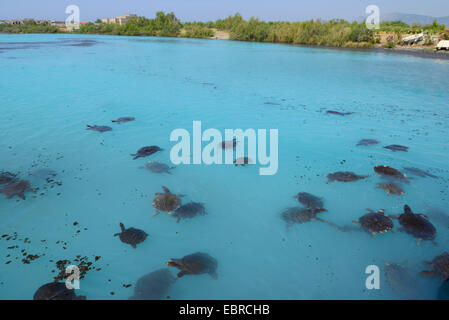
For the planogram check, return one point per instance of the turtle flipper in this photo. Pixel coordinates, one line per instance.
(214, 275)
(179, 219)
(180, 274)
(21, 196)
(429, 273)
(134, 246)
(156, 212)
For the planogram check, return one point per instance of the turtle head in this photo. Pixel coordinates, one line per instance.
(407, 210)
(173, 263)
(320, 210)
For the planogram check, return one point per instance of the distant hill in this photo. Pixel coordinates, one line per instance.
(410, 18)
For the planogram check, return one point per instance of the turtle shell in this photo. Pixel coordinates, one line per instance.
(376, 222)
(440, 265)
(56, 291)
(157, 167)
(131, 236)
(196, 263)
(418, 226)
(166, 202)
(344, 176)
(190, 210)
(16, 188)
(153, 286)
(309, 200)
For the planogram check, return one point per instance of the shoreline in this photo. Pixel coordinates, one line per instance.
(416, 52)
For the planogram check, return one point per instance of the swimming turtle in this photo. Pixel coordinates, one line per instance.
(344, 176)
(146, 151)
(338, 113)
(367, 142)
(391, 188)
(396, 147)
(243, 161)
(230, 144)
(195, 263)
(166, 201)
(309, 200)
(56, 291)
(16, 188)
(389, 172)
(6, 177)
(439, 266)
(189, 210)
(98, 128)
(131, 236)
(157, 167)
(402, 281)
(154, 285)
(301, 215)
(375, 222)
(416, 224)
(418, 172)
(123, 119)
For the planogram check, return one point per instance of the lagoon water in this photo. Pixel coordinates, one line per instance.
(51, 86)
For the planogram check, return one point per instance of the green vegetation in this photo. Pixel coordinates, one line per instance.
(337, 33)
(29, 26)
(164, 25)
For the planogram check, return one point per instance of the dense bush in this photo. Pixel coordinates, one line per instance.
(29, 26)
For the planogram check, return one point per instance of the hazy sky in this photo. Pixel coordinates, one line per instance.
(204, 10)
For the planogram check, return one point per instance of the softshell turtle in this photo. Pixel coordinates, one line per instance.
(123, 119)
(154, 285)
(389, 172)
(230, 144)
(301, 215)
(416, 224)
(402, 281)
(396, 147)
(309, 200)
(16, 188)
(195, 263)
(146, 151)
(418, 172)
(344, 176)
(189, 210)
(7, 177)
(391, 188)
(56, 291)
(131, 236)
(367, 142)
(243, 161)
(439, 266)
(157, 167)
(98, 128)
(375, 222)
(166, 201)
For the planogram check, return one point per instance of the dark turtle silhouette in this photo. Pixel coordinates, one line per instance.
(375, 222)
(396, 147)
(16, 188)
(391, 173)
(166, 201)
(230, 144)
(243, 161)
(131, 236)
(338, 113)
(344, 176)
(98, 128)
(301, 215)
(196, 263)
(401, 280)
(189, 210)
(309, 200)
(7, 177)
(146, 151)
(439, 266)
(418, 172)
(391, 188)
(367, 142)
(416, 224)
(123, 119)
(56, 291)
(153, 286)
(157, 167)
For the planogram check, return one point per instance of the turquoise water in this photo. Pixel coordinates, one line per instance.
(51, 86)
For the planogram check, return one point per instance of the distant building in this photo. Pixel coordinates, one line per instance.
(119, 20)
